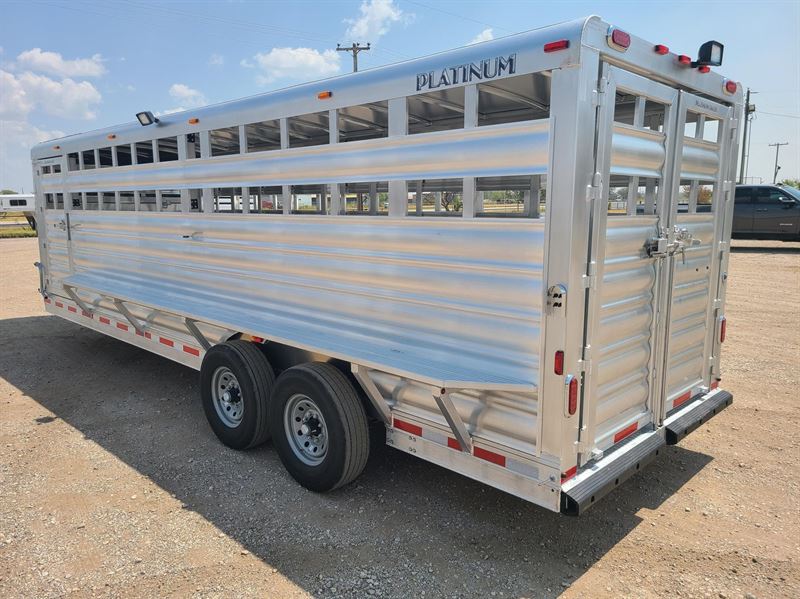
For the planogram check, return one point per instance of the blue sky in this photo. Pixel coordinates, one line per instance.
(74, 66)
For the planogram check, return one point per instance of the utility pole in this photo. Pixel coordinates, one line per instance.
(749, 109)
(355, 49)
(777, 168)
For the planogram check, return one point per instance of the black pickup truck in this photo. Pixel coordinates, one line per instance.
(767, 212)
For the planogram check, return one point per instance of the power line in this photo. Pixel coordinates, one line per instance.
(788, 116)
(458, 16)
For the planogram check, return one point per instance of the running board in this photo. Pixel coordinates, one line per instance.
(600, 478)
(687, 419)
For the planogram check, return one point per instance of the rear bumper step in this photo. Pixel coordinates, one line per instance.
(700, 413)
(602, 477)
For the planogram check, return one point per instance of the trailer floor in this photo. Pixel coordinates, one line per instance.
(112, 484)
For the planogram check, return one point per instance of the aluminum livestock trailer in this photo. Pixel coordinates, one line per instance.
(512, 255)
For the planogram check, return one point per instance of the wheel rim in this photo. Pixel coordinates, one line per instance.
(227, 397)
(306, 429)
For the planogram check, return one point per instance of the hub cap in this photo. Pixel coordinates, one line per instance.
(306, 429)
(227, 397)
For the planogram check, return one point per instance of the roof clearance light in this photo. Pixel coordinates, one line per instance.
(618, 39)
(193, 121)
(661, 49)
(146, 118)
(685, 60)
(704, 68)
(731, 86)
(556, 46)
(112, 136)
(56, 147)
(723, 329)
(710, 54)
(324, 95)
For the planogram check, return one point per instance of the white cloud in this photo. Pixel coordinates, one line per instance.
(28, 91)
(295, 63)
(216, 60)
(375, 20)
(54, 64)
(484, 36)
(187, 96)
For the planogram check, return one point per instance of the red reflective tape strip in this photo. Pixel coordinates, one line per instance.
(453, 444)
(715, 384)
(105, 320)
(565, 476)
(122, 327)
(489, 456)
(682, 399)
(408, 427)
(87, 314)
(191, 350)
(47, 300)
(72, 309)
(59, 305)
(167, 342)
(625, 432)
(143, 334)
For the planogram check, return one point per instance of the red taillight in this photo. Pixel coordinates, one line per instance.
(619, 40)
(723, 326)
(704, 69)
(683, 59)
(555, 46)
(558, 363)
(572, 397)
(731, 87)
(661, 49)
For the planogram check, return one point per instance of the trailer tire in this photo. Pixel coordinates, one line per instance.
(319, 427)
(236, 382)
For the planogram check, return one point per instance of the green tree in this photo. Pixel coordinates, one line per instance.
(791, 182)
(5, 191)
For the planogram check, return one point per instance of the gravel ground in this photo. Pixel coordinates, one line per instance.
(112, 484)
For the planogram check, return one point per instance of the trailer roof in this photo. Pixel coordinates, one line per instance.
(400, 79)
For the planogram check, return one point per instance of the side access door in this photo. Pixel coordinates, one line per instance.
(626, 278)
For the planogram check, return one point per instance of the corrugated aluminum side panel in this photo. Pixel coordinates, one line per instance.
(622, 354)
(690, 296)
(637, 152)
(438, 299)
(497, 150)
(700, 160)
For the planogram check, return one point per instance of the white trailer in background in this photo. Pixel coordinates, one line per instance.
(512, 255)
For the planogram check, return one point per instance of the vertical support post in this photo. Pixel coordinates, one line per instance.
(650, 196)
(96, 153)
(115, 163)
(137, 202)
(373, 198)
(437, 202)
(244, 200)
(633, 187)
(398, 126)
(468, 198)
(156, 160)
(418, 198)
(530, 198)
(183, 152)
(207, 203)
(338, 203)
(286, 190)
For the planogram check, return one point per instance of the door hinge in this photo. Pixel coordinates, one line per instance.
(599, 95)
(585, 363)
(593, 189)
(590, 278)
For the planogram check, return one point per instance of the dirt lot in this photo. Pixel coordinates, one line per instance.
(112, 484)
